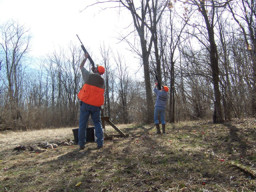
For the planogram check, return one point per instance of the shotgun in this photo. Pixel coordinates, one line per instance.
(85, 51)
(158, 82)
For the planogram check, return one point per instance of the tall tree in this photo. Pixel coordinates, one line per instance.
(208, 9)
(174, 39)
(227, 94)
(14, 44)
(105, 56)
(156, 11)
(139, 11)
(71, 82)
(140, 14)
(244, 13)
(123, 88)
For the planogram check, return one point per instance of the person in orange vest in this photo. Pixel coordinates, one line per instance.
(91, 98)
(161, 101)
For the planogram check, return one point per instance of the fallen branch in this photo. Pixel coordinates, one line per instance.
(245, 169)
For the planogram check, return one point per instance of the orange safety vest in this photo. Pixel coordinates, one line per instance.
(92, 92)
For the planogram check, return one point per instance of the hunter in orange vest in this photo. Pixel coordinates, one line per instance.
(92, 92)
(91, 98)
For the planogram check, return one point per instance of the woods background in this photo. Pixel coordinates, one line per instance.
(203, 50)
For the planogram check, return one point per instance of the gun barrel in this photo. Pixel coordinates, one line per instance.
(158, 83)
(85, 51)
(79, 39)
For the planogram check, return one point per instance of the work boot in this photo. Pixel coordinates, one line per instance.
(163, 127)
(81, 148)
(158, 129)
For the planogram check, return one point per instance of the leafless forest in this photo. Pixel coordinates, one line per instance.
(203, 50)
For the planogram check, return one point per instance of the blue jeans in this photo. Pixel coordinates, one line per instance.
(85, 111)
(159, 111)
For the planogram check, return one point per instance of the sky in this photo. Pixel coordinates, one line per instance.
(53, 24)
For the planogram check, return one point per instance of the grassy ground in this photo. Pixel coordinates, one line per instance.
(192, 156)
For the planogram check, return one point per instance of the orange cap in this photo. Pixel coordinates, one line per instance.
(101, 69)
(166, 88)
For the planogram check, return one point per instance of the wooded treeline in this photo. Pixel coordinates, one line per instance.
(203, 50)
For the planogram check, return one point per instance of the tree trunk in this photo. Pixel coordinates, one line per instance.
(217, 116)
(254, 80)
(107, 97)
(172, 100)
(215, 76)
(149, 97)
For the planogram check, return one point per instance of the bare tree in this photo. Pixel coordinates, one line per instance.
(72, 81)
(139, 11)
(105, 56)
(176, 29)
(244, 13)
(207, 9)
(224, 60)
(198, 77)
(14, 44)
(123, 88)
(65, 82)
(140, 14)
(240, 76)
(156, 11)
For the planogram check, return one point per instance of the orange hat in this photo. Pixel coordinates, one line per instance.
(101, 69)
(166, 88)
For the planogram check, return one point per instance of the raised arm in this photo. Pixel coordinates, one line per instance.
(84, 60)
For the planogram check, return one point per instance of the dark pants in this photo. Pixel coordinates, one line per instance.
(85, 111)
(159, 111)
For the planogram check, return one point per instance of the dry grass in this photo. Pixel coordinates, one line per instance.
(192, 156)
(9, 140)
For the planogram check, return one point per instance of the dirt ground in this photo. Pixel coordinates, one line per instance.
(191, 156)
